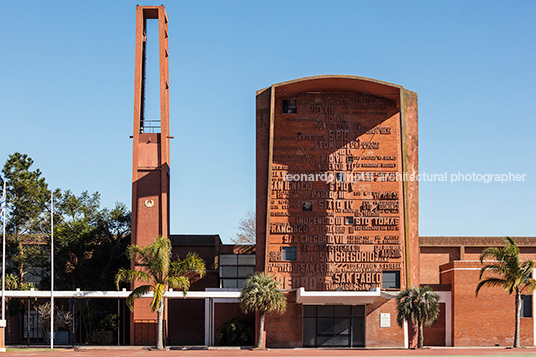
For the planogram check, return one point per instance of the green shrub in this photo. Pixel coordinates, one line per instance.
(236, 333)
(102, 337)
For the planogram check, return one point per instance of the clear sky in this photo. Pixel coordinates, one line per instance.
(66, 96)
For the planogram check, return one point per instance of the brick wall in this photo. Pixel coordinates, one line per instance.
(377, 336)
(486, 320)
(430, 260)
(285, 330)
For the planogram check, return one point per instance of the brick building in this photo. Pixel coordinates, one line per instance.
(451, 266)
(228, 265)
(342, 248)
(337, 222)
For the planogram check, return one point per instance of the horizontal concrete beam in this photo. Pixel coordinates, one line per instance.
(121, 294)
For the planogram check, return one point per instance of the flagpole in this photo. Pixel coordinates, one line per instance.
(4, 251)
(3, 321)
(51, 270)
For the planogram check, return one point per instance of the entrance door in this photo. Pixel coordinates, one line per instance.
(333, 326)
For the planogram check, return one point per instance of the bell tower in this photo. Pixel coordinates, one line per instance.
(150, 165)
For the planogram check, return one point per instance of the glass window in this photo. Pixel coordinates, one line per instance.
(228, 259)
(333, 326)
(244, 272)
(229, 283)
(342, 310)
(325, 310)
(358, 311)
(307, 206)
(325, 326)
(228, 272)
(526, 305)
(341, 325)
(240, 283)
(289, 106)
(341, 341)
(309, 331)
(246, 259)
(289, 253)
(358, 331)
(324, 341)
(391, 279)
(309, 311)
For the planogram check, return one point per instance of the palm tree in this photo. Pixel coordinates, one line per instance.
(509, 273)
(159, 271)
(420, 305)
(261, 293)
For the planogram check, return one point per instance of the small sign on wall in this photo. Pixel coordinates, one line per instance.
(385, 320)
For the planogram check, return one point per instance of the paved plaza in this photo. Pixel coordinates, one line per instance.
(134, 352)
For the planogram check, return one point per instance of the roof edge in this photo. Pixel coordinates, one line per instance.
(332, 76)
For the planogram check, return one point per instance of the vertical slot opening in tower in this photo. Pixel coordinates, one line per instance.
(150, 120)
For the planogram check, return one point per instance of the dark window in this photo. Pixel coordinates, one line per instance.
(309, 310)
(289, 106)
(333, 326)
(391, 279)
(307, 206)
(348, 220)
(526, 305)
(289, 253)
(234, 269)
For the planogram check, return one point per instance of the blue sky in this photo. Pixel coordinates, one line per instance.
(66, 96)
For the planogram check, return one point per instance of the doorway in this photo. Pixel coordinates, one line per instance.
(333, 326)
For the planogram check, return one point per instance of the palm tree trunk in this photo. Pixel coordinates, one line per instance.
(420, 344)
(518, 314)
(261, 330)
(160, 328)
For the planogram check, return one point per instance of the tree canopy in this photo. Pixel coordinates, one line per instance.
(419, 305)
(26, 206)
(261, 294)
(246, 230)
(90, 241)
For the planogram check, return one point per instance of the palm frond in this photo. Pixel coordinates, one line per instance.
(530, 286)
(136, 293)
(191, 265)
(492, 252)
(158, 297)
(506, 271)
(136, 252)
(159, 258)
(158, 271)
(492, 282)
(179, 283)
(494, 268)
(261, 293)
(128, 276)
(526, 270)
(417, 304)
